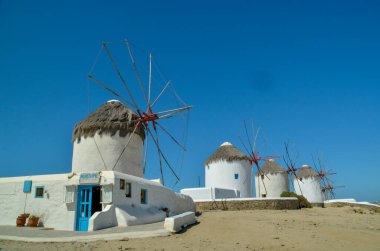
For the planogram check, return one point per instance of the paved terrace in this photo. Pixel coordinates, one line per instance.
(49, 235)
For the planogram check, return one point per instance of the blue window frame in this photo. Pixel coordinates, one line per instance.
(39, 192)
(27, 186)
(236, 176)
(143, 196)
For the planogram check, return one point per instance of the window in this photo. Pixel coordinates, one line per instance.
(106, 194)
(236, 176)
(128, 189)
(78, 140)
(39, 192)
(143, 196)
(262, 176)
(27, 186)
(122, 184)
(70, 194)
(264, 195)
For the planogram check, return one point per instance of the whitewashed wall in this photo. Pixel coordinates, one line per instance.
(311, 189)
(221, 174)
(55, 213)
(273, 185)
(210, 193)
(130, 211)
(52, 209)
(88, 156)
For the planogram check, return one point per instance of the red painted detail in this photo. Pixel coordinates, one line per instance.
(147, 117)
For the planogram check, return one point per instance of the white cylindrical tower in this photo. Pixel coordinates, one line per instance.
(308, 185)
(100, 139)
(229, 168)
(271, 181)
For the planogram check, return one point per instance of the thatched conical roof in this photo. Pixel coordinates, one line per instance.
(306, 171)
(270, 166)
(110, 118)
(227, 152)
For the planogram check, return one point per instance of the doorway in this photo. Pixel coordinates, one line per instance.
(88, 204)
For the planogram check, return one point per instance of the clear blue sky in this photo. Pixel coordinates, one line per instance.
(308, 71)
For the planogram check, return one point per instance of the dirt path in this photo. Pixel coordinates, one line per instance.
(308, 229)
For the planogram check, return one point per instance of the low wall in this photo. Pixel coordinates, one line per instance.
(210, 193)
(177, 223)
(103, 219)
(248, 204)
(374, 208)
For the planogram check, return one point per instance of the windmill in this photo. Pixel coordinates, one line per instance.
(329, 190)
(327, 186)
(322, 174)
(254, 154)
(146, 114)
(291, 166)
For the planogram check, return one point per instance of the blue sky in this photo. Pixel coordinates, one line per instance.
(306, 71)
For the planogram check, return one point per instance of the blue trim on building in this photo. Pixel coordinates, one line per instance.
(144, 195)
(27, 186)
(35, 192)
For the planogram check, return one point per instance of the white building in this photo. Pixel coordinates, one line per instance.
(309, 185)
(105, 187)
(228, 174)
(271, 180)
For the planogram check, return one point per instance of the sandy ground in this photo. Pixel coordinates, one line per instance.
(308, 229)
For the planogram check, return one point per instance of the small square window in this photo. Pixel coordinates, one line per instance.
(39, 192)
(122, 184)
(264, 195)
(143, 196)
(236, 176)
(128, 189)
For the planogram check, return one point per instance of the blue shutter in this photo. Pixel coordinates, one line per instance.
(27, 186)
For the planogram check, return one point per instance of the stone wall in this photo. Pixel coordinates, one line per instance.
(233, 205)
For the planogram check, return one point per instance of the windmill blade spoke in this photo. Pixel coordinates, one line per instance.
(175, 111)
(125, 147)
(286, 163)
(163, 156)
(262, 180)
(109, 89)
(120, 76)
(245, 147)
(261, 172)
(295, 175)
(162, 92)
(324, 182)
(254, 143)
(171, 136)
(145, 154)
(160, 160)
(246, 134)
(298, 182)
(136, 71)
(315, 164)
(150, 78)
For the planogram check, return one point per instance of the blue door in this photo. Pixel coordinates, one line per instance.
(84, 207)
